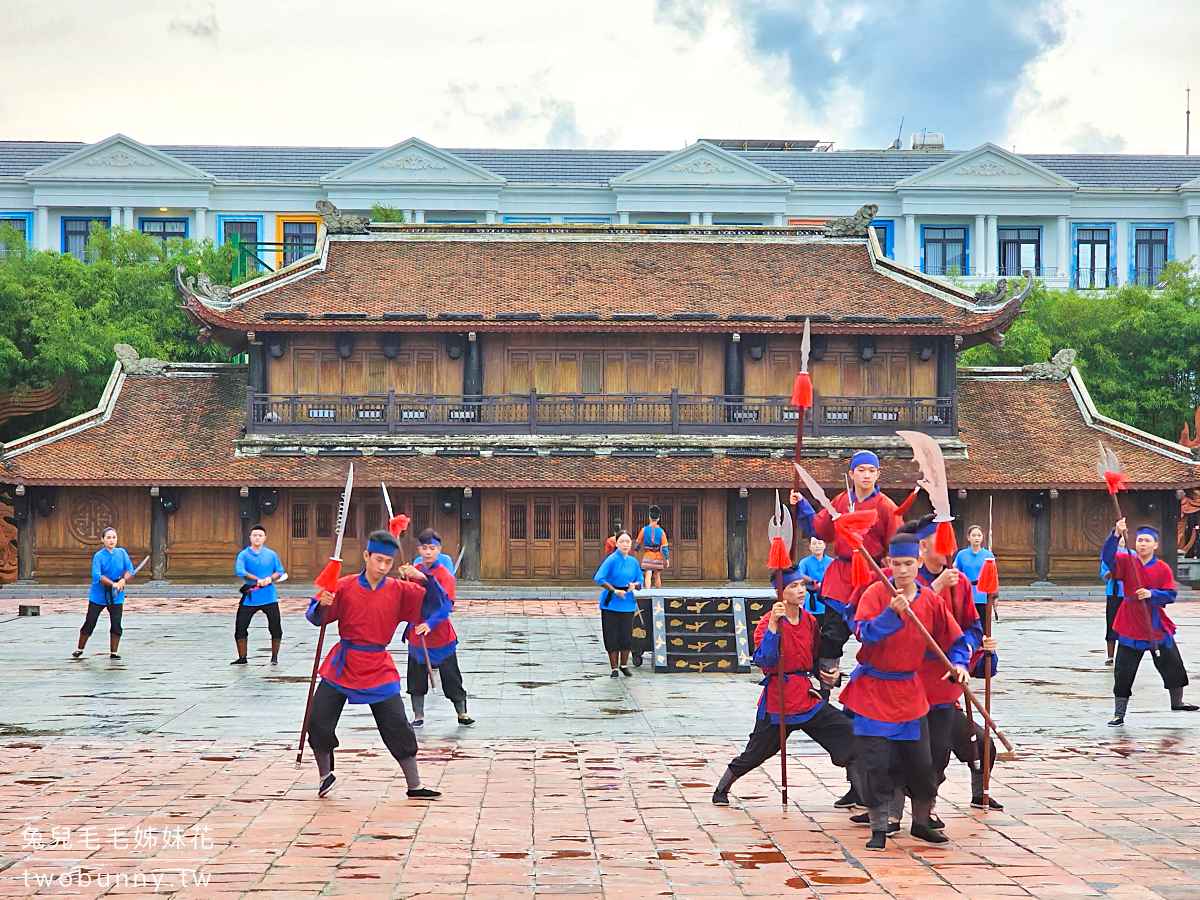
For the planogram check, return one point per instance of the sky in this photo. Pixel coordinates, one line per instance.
(1098, 76)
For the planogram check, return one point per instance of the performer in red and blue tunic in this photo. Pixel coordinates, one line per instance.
(441, 642)
(1141, 623)
(792, 630)
(888, 701)
(368, 608)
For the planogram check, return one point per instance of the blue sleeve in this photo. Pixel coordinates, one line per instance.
(875, 630)
(239, 567)
(128, 563)
(978, 671)
(601, 575)
(437, 602)
(973, 634)
(960, 652)
(314, 613)
(1108, 555)
(767, 654)
(1161, 598)
(666, 548)
(96, 570)
(804, 517)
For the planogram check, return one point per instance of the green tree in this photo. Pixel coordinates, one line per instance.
(381, 212)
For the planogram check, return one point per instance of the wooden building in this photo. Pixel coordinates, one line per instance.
(520, 388)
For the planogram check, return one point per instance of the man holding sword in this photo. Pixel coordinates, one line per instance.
(259, 567)
(111, 570)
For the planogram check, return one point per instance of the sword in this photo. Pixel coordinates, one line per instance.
(141, 565)
(387, 501)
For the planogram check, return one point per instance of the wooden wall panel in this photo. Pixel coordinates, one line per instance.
(492, 530)
(68, 538)
(1080, 522)
(310, 364)
(205, 536)
(1012, 532)
(714, 564)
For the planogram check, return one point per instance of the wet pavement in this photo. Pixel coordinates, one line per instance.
(571, 783)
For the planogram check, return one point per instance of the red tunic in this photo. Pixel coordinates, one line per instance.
(888, 700)
(443, 633)
(368, 617)
(837, 577)
(799, 643)
(1131, 617)
(959, 604)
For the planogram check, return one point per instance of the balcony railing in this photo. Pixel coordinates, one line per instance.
(534, 413)
(1095, 279)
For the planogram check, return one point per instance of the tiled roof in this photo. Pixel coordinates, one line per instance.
(850, 168)
(182, 429)
(681, 280)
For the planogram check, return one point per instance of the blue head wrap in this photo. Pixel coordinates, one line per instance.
(432, 540)
(792, 575)
(1146, 529)
(381, 547)
(904, 545)
(863, 456)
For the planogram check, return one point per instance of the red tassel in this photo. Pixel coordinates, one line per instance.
(943, 541)
(328, 579)
(1116, 481)
(860, 572)
(397, 524)
(778, 557)
(802, 394)
(851, 527)
(989, 578)
(903, 508)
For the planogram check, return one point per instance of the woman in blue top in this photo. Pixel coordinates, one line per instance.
(618, 575)
(111, 568)
(970, 561)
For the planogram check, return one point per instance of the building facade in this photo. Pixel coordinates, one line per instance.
(523, 387)
(1091, 221)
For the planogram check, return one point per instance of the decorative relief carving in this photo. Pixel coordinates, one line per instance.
(1098, 521)
(1057, 369)
(988, 167)
(337, 222)
(412, 161)
(701, 165)
(119, 159)
(90, 515)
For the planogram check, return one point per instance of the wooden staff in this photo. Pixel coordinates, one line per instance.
(987, 702)
(779, 676)
(312, 685)
(1137, 583)
(428, 664)
(933, 645)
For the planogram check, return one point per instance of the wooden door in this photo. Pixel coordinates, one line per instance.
(592, 533)
(541, 540)
(312, 518)
(516, 518)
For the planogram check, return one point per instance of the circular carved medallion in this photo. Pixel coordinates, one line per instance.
(90, 515)
(1098, 520)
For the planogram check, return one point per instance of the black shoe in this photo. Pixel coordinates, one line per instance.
(878, 841)
(861, 819)
(77, 654)
(720, 797)
(114, 656)
(628, 674)
(240, 661)
(977, 802)
(424, 794)
(1109, 661)
(935, 822)
(893, 827)
(637, 660)
(616, 674)
(1186, 707)
(849, 801)
(1117, 720)
(417, 723)
(326, 785)
(274, 661)
(464, 719)
(928, 834)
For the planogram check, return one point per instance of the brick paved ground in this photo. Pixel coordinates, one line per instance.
(571, 785)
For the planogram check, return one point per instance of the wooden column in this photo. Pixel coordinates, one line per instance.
(470, 534)
(736, 541)
(473, 368)
(158, 540)
(735, 379)
(946, 361)
(1168, 547)
(256, 373)
(1041, 545)
(26, 539)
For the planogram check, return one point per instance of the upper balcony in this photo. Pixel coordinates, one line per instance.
(534, 413)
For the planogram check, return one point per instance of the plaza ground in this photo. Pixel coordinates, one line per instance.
(571, 784)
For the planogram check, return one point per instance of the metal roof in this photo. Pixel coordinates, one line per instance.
(852, 168)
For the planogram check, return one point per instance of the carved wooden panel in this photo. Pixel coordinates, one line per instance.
(90, 515)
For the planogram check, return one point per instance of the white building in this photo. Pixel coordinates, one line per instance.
(1089, 220)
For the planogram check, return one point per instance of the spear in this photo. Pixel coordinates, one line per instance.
(779, 530)
(802, 399)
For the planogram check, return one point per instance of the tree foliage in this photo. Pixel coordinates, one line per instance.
(381, 212)
(1138, 348)
(62, 316)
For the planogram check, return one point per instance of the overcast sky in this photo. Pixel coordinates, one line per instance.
(1064, 75)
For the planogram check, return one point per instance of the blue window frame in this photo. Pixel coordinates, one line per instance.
(885, 231)
(21, 222)
(526, 220)
(75, 232)
(1094, 256)
(945, 250)
(587, 220)
(429, 221)
(1151, 244)
(164, 229)
(1020, 249)
(239, 225)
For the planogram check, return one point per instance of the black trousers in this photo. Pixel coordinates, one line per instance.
(834, 634)
(950, 733)
(1112, 602)
(390, 719)
(882, 765)
(618, 630)
(448, 673)
(241, 628)
(93, 616)
(1168, 662)
(829, 728)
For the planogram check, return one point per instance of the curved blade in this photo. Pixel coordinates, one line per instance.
(805, 347)
(387, 501)
(343, 513)
(1109, 461)
(928, 456)
(781, 523)
(815, 489)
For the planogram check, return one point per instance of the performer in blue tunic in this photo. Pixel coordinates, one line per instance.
(970, 562)
(111, 568)
(618, 575)
(259, 566)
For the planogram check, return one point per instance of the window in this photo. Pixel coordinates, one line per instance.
(689, 522)
(516, 521)
(420, 516)
(945, 251)
(885, 233)
(1092, 260)
(324, 520)
(526, 220)
(19, 223)
(164, 229)
(246, 231)
(299, 520)
(76, 233)
(566, 521)
(591, 522)
(1020, 249)
(541, 521)
(1150, 254)
(299, 239)
(586, 220)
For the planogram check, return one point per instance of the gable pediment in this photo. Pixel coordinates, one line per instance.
(413, 162)
(119, 158)
(988, 167)
(700, 165)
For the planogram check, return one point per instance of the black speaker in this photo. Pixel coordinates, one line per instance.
(1147, 502)
(43, 502)
(345, 344)
(21, 509)
(171, 499)
(820, 343)
(245, 508)
(276, 344)
(268, 501)
(389, 343)
(470, 507)
(740, 509)
(1036, 502)
(455, 344)
(447, 500)
(866, 348)
(756, 344)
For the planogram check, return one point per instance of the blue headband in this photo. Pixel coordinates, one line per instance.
(906, 547)
(926, 531)
(381, 547)
(1146, 529)
(863, 456)
(792, 575)
(432, 540)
